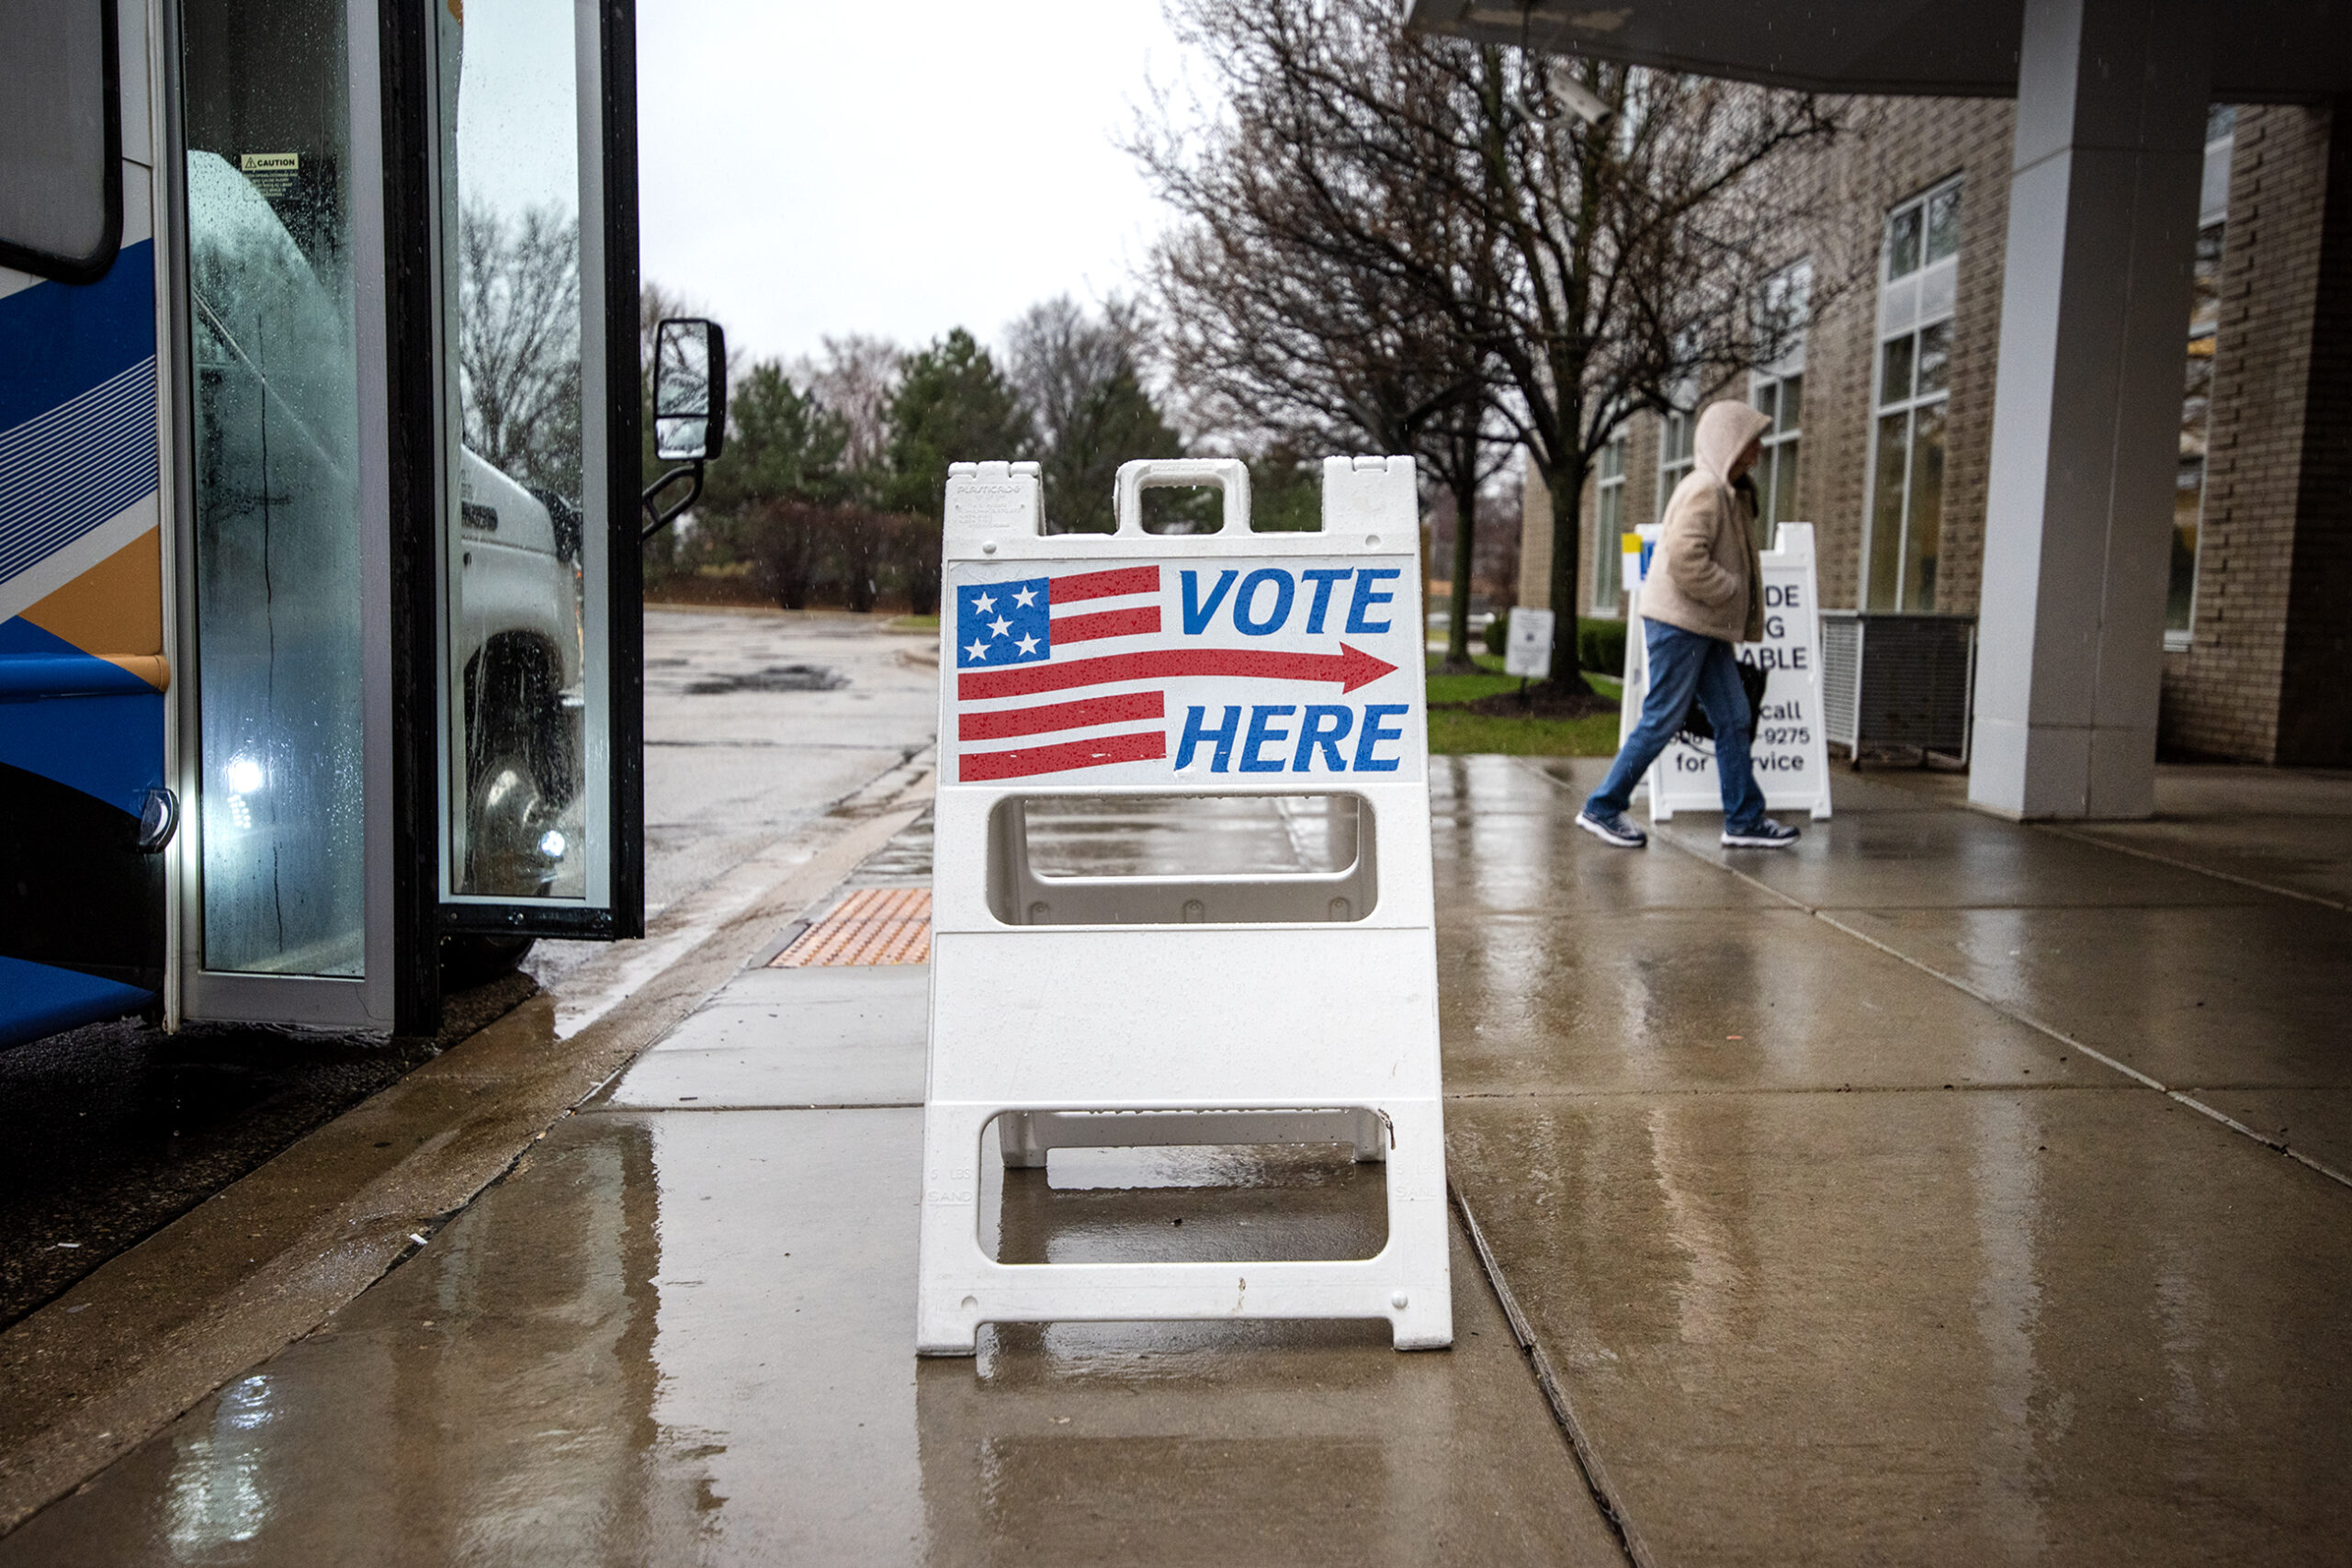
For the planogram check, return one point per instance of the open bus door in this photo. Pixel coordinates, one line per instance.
(411, 408)
(375, 382)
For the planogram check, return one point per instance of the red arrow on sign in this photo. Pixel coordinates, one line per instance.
(1351, 667)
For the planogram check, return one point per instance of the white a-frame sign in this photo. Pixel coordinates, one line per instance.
(1166, 672)
(1790, 750)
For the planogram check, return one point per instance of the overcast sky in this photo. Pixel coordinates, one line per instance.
(899, 169)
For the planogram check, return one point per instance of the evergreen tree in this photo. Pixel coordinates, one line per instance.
(782, 445)
(951, 405)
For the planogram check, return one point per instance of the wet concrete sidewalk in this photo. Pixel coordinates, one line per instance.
(1873, 1202)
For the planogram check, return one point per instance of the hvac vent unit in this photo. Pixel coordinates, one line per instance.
(1898, 682)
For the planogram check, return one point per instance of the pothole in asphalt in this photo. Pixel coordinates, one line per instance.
(774, 678)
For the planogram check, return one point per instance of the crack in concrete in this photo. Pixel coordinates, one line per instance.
(1588, 1455)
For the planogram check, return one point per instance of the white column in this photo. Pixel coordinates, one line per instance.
(2103, 194)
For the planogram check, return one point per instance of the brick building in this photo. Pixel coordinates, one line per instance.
(1885, 415)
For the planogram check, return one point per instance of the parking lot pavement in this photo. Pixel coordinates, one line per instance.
(756, 724)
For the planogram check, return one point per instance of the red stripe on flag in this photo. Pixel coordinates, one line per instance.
(1104, 584)
(1106, 623)
(1350, 668)
(1008, 723)
(977, 767)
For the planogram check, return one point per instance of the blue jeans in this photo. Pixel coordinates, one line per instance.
(1681, 663)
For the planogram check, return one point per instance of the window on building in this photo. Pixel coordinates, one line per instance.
(2204, 322)
(1777, 388)
(1608, 525)
(1916, 287)
(1674, 456)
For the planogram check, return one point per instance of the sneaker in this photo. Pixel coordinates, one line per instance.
(1611, 827)
(1765, 835)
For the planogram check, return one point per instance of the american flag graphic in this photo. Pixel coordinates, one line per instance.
(1015, 627)
(1064, 638)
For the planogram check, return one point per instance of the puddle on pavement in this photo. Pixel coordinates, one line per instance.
(773, 678)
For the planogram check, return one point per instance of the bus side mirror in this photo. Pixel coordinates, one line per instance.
(689, 390)
(689, 413)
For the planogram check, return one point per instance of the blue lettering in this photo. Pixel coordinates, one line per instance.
(1324, 727)
(1364, 599)
(1245, 620)
(1262, 736)
(1373, 733)
(1323, 577)
(1196, 615)
(1221, 737)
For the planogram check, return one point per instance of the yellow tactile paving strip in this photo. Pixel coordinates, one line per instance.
(873, 925)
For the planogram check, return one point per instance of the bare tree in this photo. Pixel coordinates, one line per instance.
(853, 379)
(1078, 375)
(1594, 267)
(518, 342)
(1279, 335)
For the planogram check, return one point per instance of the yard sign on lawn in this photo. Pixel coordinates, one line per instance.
(1187, 1009)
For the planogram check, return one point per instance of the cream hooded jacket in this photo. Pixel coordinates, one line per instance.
(1704, 574)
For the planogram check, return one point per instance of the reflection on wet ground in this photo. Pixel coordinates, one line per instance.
(681, 1337)
(1834, 1259)
(1848, 1249)
(1236, 1203)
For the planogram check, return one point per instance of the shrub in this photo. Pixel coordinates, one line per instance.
(787, 542)
(1600, 647)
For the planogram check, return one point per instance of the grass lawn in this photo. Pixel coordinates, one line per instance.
(1453, 731)
(914, 623)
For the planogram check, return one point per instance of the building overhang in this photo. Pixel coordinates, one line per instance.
(2264, 51)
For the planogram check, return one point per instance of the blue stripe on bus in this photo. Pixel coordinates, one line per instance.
(41, 998)
(59, 340)
(28, 677)
(74, 467)
(109, 746)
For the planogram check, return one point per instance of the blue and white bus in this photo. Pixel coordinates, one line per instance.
(318, 502)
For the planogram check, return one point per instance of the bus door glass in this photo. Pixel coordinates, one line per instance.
(272, 489)
(537, 824)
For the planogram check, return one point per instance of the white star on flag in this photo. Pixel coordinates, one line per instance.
(979, 649)
(1000, 626)
(1026, 597)
(984, 603)
(1028, 645)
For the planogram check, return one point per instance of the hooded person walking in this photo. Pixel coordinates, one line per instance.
(1703, 593)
